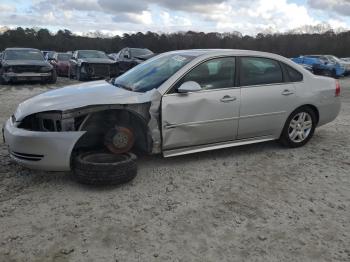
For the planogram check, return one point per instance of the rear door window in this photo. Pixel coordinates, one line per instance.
(259, 71)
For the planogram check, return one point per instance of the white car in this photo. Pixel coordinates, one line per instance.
(175, 103)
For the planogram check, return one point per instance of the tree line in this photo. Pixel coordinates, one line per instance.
(287, 44)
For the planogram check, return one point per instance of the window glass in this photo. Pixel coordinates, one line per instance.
(23, 54)
(152, 73)
(213, 74)
(293, 74)
(260, 71)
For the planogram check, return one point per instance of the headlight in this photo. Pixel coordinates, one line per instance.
(45, 68)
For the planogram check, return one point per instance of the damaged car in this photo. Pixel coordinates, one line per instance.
(176, 103)
(128, 57)
(25, 64)
(91, 64)
(61, 63)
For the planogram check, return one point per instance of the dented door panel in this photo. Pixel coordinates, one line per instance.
(199, 118)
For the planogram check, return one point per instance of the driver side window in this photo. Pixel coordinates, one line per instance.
(213, 74)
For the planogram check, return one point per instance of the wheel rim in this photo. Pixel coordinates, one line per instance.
(300, 127)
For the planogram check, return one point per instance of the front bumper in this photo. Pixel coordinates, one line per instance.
(49, 151)
(25, 76)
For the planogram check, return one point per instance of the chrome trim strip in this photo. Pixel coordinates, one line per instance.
(201, 148)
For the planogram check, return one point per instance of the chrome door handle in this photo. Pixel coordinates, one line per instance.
(287, 92)
(227, 98)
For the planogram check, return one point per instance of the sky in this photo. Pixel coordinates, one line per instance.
(127, 16)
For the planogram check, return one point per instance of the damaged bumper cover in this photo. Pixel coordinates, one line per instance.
(40, 150)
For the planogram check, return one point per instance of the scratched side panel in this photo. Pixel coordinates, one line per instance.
(199, 118)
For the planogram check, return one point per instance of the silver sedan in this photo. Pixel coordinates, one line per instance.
(175, 103)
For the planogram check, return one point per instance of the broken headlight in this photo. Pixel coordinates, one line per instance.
(47, 122)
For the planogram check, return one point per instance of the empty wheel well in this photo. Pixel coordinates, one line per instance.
(97, 125)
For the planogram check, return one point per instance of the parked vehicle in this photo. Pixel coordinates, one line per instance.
(48, 55)
(91, 64)
(335, 60)
(321, 65)
(346, 59)
(127, 58)
(114, 56)
(60, 61)
(176, 103)
(21, 64)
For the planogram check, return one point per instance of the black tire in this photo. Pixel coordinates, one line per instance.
(101, 168)
(70, 76)
(53, 77)
(80, 76)
(285, 137)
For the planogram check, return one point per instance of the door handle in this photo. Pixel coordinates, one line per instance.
(227, 99)
(287, 92)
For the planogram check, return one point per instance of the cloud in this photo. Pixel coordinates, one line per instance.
(341, 7)
(5, 8)
(249, 17)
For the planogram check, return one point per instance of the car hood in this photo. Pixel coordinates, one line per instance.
(97, 60)
(81, 95)
(26, 62)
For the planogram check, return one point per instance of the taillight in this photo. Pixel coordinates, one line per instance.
(337, 88)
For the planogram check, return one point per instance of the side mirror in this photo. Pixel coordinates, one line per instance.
(189, 86)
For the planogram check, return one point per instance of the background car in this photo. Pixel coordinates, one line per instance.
(20, 64)
(114, 56)
(127, 58)
(336, 60)
(61, 63)
(91, 64)
(49, 55)
(321, 65)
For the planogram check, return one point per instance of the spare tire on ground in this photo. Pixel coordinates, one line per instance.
(101, 168)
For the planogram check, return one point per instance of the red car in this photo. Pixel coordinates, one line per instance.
(61, 63)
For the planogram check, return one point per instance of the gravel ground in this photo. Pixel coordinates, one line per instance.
(254, 203)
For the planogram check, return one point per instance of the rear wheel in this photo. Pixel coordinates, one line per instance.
(299, 128)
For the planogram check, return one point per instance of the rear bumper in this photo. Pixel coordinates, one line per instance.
(49, 151)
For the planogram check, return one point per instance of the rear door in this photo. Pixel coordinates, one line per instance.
(266, 98)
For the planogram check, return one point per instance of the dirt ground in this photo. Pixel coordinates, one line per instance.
(260, 202)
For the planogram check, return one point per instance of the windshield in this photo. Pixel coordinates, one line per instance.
(152, 73)
(135, 52)
(23, 55)
(63, 57)
(92, 54)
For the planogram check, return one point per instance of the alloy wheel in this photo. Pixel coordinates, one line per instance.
(300, 127)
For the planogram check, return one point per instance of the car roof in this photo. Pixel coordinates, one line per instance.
(231, 52)
(88, 50)
(21, 48)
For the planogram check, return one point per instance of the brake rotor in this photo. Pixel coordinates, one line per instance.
(119, 140)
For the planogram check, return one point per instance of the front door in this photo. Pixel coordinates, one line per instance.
(203, 117)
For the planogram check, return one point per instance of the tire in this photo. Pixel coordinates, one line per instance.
(77, 74)
(70, 76)
(305, 129)
(101, 168)
(53, 77)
